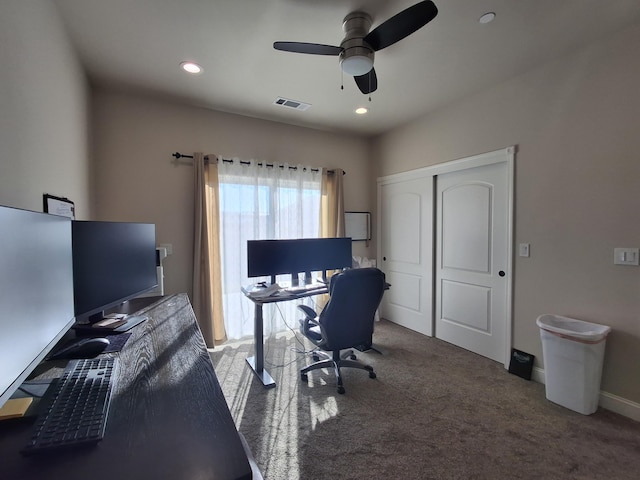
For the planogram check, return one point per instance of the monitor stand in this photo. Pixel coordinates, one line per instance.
(132, 321)
(135, 305)
(129, 322)
(126, 308)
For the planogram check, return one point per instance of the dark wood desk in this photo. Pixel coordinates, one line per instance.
(168, 416)
(257, 361)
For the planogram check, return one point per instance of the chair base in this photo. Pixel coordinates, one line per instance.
(337, 361)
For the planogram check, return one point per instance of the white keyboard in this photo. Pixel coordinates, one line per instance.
(307, 287)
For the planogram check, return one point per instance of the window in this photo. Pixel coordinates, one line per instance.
(256, 203)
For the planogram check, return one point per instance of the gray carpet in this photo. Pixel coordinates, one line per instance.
(435, 411)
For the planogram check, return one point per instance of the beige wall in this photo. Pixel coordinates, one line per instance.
(136, 179)
(576, 124)
(43, 110)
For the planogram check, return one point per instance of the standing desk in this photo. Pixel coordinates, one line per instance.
(257, 361)
(168, 415)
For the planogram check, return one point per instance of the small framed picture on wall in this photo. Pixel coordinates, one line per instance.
(358, 225)
(58, 206)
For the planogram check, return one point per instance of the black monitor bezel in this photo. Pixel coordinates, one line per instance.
(291, 256)
(96, 311)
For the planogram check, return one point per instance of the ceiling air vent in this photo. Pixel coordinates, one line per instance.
(285, 102)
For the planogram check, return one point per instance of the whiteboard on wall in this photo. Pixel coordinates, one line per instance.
(357, 225)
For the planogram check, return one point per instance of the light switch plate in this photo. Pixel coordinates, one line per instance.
(524, 250)
(626, 256)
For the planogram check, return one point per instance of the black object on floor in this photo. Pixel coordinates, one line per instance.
(521, 364)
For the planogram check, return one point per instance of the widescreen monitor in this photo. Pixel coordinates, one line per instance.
(36, 291)
(112, 262)
(276, 257)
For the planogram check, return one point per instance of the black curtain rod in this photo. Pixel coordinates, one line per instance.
(179, 155)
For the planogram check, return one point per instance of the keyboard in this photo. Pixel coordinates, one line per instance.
(75, 408)
(305, 287)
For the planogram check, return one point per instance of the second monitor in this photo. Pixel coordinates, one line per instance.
(277, 257)
(112, 262)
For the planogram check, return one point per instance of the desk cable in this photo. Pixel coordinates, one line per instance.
(302, 350)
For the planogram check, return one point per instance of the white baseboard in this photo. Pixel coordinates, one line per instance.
(620, 405)
(537, 375)
(607, 400)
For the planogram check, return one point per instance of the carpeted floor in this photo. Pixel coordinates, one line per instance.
(435, 411)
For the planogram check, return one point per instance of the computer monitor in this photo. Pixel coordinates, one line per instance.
(276, 257)
(112, 262)
(36, 291)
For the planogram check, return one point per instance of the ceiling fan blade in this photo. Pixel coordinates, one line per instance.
(401, 25)
(312, 48)
(368, 82)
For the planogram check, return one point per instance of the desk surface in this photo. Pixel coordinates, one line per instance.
(168, 417)
(284, 294)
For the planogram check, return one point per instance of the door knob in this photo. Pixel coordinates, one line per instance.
(501, 273)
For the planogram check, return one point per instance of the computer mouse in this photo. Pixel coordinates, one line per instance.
(84, 348)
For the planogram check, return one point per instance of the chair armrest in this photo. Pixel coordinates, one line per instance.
(308, 311)
(309, 322)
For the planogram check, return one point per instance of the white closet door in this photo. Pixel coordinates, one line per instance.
(406, 252)
(451, 276)
(472, 259)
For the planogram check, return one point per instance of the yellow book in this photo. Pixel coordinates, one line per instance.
(15, 408)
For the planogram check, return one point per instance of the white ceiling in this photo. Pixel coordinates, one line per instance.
(138, 45)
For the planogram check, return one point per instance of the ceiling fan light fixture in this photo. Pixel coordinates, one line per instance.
(356, 59)
(357, 65)
(191, 67)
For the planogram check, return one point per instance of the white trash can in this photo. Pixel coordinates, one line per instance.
(573, 352)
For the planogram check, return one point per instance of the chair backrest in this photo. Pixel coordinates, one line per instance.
(347, 319)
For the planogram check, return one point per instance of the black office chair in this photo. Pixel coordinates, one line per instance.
(345, 322)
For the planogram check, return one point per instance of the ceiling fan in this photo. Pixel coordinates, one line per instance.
(357, 50)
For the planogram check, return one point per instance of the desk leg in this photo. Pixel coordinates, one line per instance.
(257, 362)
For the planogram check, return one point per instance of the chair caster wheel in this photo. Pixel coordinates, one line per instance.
(352, 357)
(372, 374)
(341, 389)
(316, 358)
(303, 376)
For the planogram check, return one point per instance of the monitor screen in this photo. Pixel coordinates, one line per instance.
(112, 263)
(36, 291)
(275, 257)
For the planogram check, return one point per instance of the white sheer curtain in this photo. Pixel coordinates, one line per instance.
(259, 202)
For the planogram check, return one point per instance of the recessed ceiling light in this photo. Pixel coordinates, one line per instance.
(487, 17)
(191, 67)
(361, 110)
